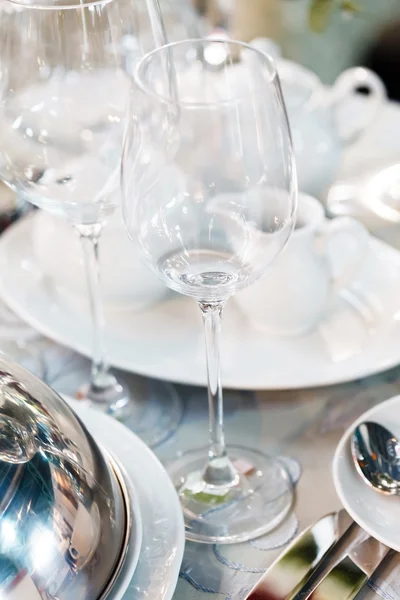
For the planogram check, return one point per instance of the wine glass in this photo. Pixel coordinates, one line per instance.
(209, 195)
(66, 68)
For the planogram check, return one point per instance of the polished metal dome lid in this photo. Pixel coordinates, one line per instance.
(64, 516)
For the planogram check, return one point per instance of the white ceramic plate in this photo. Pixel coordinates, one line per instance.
(135, 542)
(379, 515)
(160, 558)
(359, 337)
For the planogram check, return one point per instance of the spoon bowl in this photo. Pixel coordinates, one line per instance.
(376, 455)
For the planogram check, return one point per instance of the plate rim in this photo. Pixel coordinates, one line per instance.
(22, 227)
(180, 528)
(341, 449)
(136, 517)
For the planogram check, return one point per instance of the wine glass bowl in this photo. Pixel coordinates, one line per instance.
(209, 182)
(209, 195)
(62, 110)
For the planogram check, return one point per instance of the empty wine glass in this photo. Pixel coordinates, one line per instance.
(209, 195)
(66, 68)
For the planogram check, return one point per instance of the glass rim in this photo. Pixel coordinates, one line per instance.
(55, 5)
(144, 61)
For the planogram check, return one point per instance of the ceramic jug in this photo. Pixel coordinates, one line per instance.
(324, 120)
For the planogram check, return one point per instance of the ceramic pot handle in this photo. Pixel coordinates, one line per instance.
(355, 113)
(344, 241)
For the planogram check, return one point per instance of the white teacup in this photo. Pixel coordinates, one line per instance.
(321, 257)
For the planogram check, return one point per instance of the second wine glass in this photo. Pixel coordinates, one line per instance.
(66, 70)
(209, 195)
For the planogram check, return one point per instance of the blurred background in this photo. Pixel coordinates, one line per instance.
(326, 36)
(347, 150)
(360, 175)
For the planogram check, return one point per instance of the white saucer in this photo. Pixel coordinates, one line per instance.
(161, 554)
(379, 515)
(359, 337)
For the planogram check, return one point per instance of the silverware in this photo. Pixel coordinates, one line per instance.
(389, 565)
(376, 455)
(331, 560)
(350, 539)
(345, 580)
(303, 555)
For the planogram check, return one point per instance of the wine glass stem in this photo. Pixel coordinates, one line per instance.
(89, 236)
(219, 470)
(157, 22)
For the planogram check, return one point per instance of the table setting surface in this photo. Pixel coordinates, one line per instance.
(302, 426)
(291, 397)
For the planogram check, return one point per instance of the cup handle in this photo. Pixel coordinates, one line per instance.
(344, 242)
(352, 119)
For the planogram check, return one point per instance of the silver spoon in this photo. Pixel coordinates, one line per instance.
(376, 455)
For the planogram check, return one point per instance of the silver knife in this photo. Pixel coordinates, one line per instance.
(309, 559)
(301, 557)
(352, 537)
(348, 576)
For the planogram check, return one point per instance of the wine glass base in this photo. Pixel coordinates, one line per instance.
(110, 396)
(156, 411)
(151, 409)
(257, 504)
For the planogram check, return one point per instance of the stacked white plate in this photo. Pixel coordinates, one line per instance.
(155, 553)
(358, 337)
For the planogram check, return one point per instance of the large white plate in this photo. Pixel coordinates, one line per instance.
(160, 558)
(379, 515)
(360, 335)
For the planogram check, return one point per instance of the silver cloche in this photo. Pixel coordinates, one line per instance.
(64, 516)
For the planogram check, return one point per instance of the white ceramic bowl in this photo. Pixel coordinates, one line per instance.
(126, 282)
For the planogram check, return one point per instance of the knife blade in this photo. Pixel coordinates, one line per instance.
(300, 558)
(348, 553)
(351, 538)
(347, 577)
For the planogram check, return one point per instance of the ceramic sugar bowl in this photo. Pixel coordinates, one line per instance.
(320, 259)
